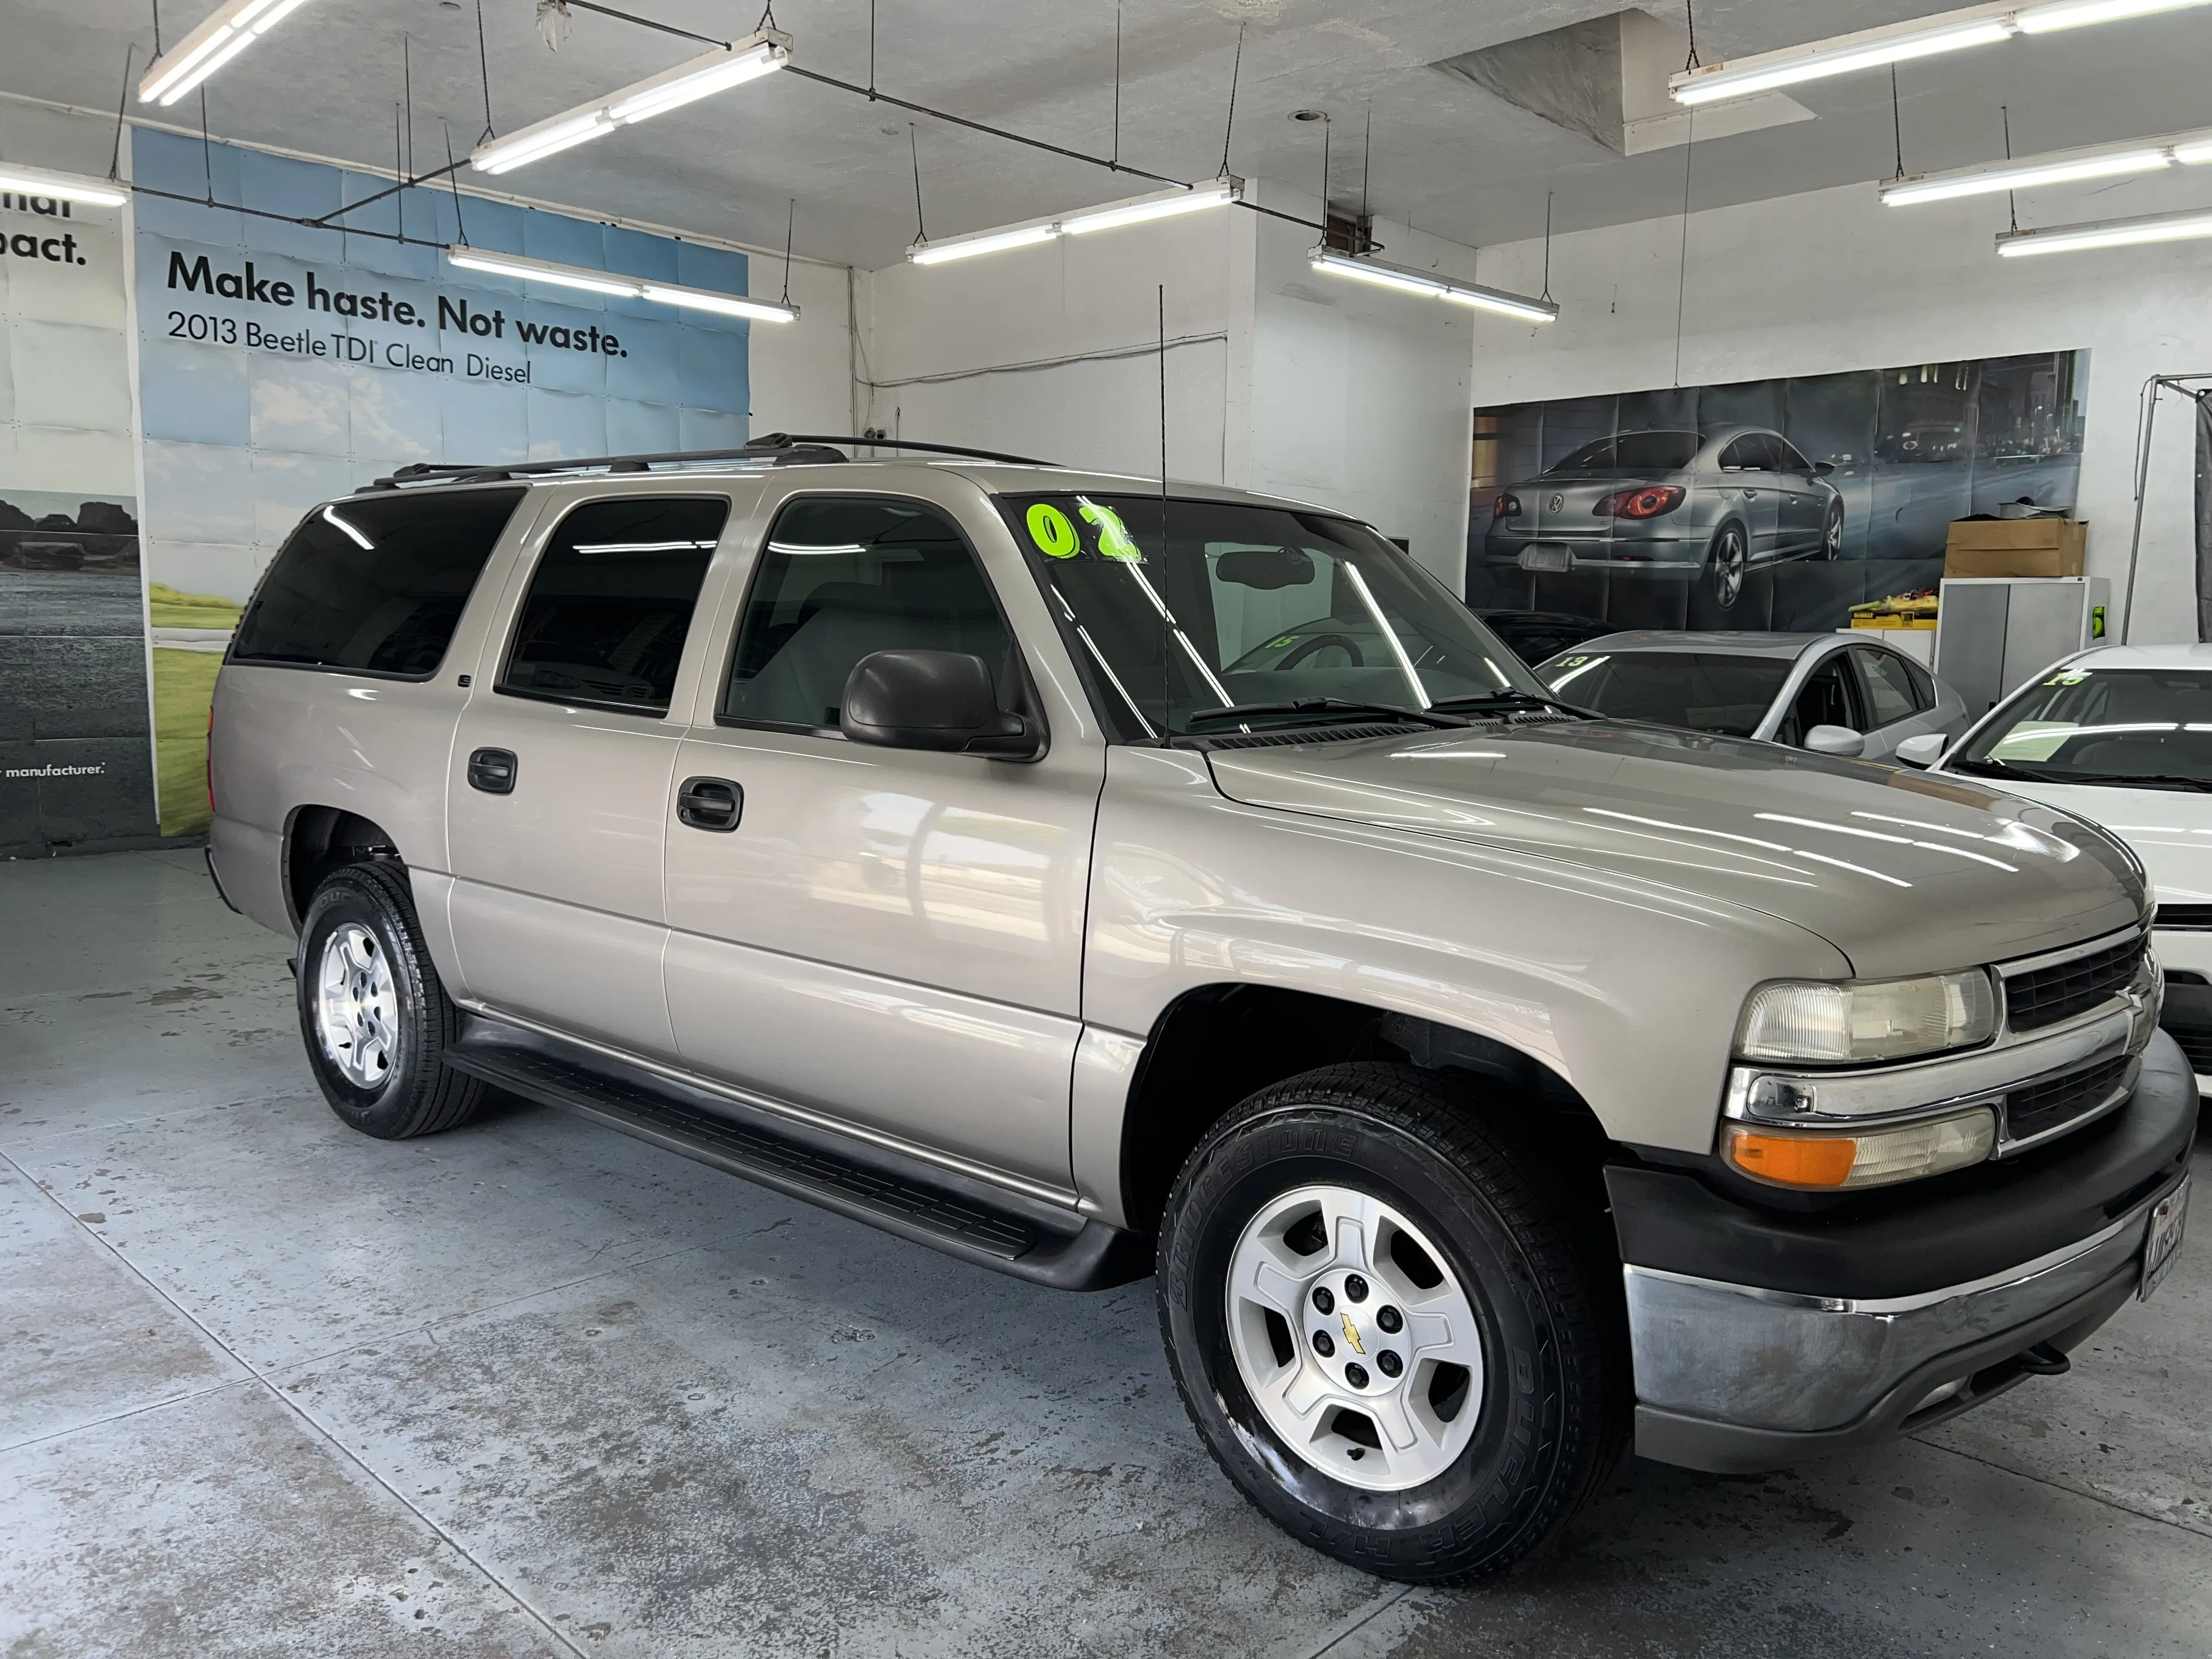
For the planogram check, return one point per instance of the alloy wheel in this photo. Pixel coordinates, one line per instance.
(1729, 563)
(357, 1006)
(1354, 1337)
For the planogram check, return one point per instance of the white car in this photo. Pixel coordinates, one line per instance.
(2121, 734)
(1853, 695)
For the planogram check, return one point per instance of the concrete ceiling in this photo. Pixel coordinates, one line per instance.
(1452, 158)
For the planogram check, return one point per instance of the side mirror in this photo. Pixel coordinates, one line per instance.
(936, 700)
(1824, 468)
(1835, 740)
(1923, 750)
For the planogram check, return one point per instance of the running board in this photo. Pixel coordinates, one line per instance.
(960, 1215)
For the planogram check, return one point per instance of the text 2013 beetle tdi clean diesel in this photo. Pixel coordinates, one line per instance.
(1484, 1081)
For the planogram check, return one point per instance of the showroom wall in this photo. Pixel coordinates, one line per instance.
(1830, 281)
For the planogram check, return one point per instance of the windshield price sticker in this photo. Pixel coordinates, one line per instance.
(2072, 677)
(1054, 536)
(1058, 536)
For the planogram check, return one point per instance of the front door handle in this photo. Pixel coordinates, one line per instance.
(712, 804)
(493, 770)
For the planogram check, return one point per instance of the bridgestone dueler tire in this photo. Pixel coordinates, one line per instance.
(421, 1094)
(1538, 1265)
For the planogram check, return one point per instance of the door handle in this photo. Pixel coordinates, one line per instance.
(493, 770)
(711, 804)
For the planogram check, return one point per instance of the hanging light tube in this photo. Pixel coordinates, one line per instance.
(1107, 215)
(2057, 167)
(2109, 233)
(724, 67)
(1428, 283)
(60, 186)
(1899, 43)
(229, 31)
(522, 268)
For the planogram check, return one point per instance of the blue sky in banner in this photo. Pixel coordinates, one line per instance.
(280, 365)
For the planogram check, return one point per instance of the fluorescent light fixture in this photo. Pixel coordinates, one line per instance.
(229, 31)
(1997, 176)
(989, 242)
(1165, 204)
(2075, 14)
(715, 71)
(1107, 215)
(2111, 232)
(1899, 43)
(60, 186)
(2193, 152)
(524, 269)
(1428, 283)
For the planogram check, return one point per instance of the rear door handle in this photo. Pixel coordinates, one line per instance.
(493, 770)
(712, 804)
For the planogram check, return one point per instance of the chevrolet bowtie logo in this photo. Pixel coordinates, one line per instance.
(1352, 1335)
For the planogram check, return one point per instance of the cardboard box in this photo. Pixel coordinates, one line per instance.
(2015, 547)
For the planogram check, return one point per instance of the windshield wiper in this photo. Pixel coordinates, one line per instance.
(1999, 768)
(1333, 707)
(1513, 700)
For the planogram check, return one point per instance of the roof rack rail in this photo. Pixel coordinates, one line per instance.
(776, 448)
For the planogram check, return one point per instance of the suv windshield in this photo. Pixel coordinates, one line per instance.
(1238, 604)
(1705, 691)
(2146, 728)
(1631, 451)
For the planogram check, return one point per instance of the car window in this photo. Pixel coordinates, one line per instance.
(1924, 684)
(375, 585)
(2084, 724)
(1785, 457)
(1703, 691)
(1743, 455)
(1828, 698)
(611, 602)
(1889, 691)
(844, 577)
(1632, 451)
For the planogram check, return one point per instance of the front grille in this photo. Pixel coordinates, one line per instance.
(2048, 995)
(2183, 918)
(2036, 1107)
(2196, 1042)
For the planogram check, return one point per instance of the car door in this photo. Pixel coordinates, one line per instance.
(1894, 707)
(560, 767)
(1829, 694)
(1747, 491)
(1801, 503)
(888, 938)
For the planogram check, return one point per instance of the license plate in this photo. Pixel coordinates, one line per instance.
(1548, 558)
(2163, 1247)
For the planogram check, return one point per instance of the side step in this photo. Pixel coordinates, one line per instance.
(1030, 1239)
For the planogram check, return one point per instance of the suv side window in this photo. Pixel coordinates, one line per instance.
(842, 578)
(1888, 689)
(1828, 698)
(610, 603)
(375, 585)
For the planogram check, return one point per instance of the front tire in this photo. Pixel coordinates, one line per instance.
(1395, 1332)
(375, 1017)
(1831, 533)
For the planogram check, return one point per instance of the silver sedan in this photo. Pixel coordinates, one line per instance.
(1675, 503)
(1834, 694)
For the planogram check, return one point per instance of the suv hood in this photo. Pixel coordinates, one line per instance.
(1903, 873)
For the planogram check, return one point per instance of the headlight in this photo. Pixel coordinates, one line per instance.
(1860, 1020)
(1869, 1157)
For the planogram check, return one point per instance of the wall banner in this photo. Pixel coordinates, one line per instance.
(74, 768)
(1761, 504)
(281, 365)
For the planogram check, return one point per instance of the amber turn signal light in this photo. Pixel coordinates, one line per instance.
(1794, 1160)
(1872, 1158)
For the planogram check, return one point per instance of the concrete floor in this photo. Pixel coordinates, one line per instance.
(268, 1387)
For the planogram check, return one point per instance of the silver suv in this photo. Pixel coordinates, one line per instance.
(954, 844)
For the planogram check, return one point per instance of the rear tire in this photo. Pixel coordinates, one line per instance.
(1481, 1437)
(375, 1016)
(1730, 559)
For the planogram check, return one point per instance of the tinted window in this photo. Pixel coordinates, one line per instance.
(2083, 725)
(1632, 451)
(1787, 459)
(612, 602)
(1889, 692)
(1826, 698)
(1745, 454)
(375, 584)
(1705, 692)
(842, 579)
(1924, 684)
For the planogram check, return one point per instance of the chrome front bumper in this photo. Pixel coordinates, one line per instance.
(1734, 1377)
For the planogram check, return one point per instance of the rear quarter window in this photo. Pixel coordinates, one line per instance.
(375, 586)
